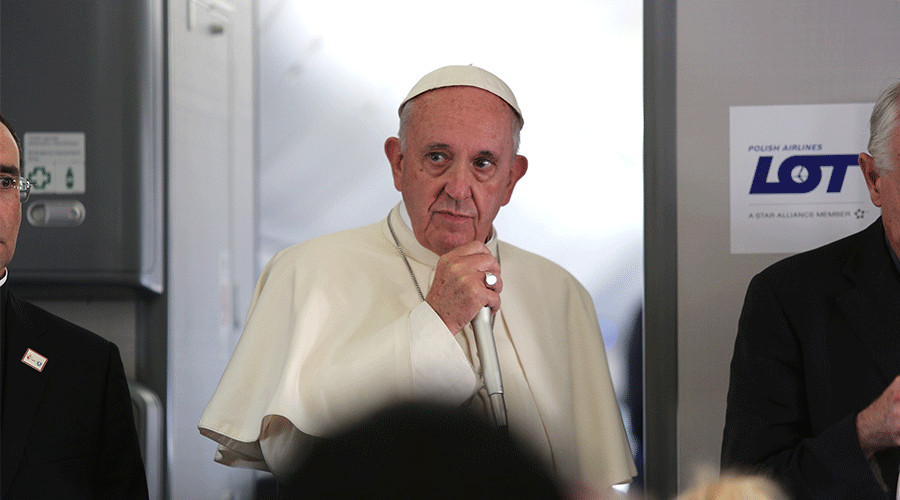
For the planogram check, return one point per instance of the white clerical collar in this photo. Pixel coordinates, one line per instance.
(404, 215)
(3, 279)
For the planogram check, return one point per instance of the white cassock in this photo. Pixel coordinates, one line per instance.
(336, 330)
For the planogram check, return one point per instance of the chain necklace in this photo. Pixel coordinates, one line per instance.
(405, 260)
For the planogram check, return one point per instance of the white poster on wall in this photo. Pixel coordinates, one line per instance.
(795, 177)
(55, 162)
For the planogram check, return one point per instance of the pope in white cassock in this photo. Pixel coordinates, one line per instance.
(345, 324)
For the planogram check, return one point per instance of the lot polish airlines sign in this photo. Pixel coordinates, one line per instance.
(795, 178)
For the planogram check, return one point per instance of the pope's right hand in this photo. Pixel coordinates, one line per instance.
(459, 291)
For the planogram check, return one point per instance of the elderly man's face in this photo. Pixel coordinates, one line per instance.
(884, 189)
(10, 208)
(458, 168)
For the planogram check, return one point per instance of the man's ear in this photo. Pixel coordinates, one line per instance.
(519, 167)
(395, 157)
(872, 176)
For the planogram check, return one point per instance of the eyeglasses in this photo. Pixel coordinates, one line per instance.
(8, 183)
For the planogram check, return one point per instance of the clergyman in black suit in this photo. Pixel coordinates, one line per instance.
(814, 396)
(67, 424)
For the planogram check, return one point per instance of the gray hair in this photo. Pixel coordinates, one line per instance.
(881, 127)
(406, 118)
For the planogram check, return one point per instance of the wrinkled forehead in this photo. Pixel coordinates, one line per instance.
(9, 151)
(463, 112)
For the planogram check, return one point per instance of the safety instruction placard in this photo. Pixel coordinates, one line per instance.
(795, 177)
(55, 162)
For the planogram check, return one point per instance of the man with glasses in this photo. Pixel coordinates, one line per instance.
(67, 425)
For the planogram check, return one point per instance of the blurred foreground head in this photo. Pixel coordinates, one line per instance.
(421, 451)
(735, 487)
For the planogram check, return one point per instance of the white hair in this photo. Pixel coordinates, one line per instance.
(881, 128)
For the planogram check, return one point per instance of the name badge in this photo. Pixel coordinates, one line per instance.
(34, 360)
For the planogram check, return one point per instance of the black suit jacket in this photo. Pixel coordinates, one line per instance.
(818, 341)
(68, 431)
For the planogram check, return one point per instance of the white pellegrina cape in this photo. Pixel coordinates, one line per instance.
(336, 330)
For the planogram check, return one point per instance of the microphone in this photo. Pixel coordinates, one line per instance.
(490, 365)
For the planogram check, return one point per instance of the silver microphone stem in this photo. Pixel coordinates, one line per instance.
(490, 365)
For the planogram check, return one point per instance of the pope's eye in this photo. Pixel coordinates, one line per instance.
(436, 157)
(483, 163)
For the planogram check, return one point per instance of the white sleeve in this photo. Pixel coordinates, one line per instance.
(440, 369)
(321, 372)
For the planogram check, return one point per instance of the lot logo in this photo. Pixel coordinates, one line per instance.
(801, 174)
